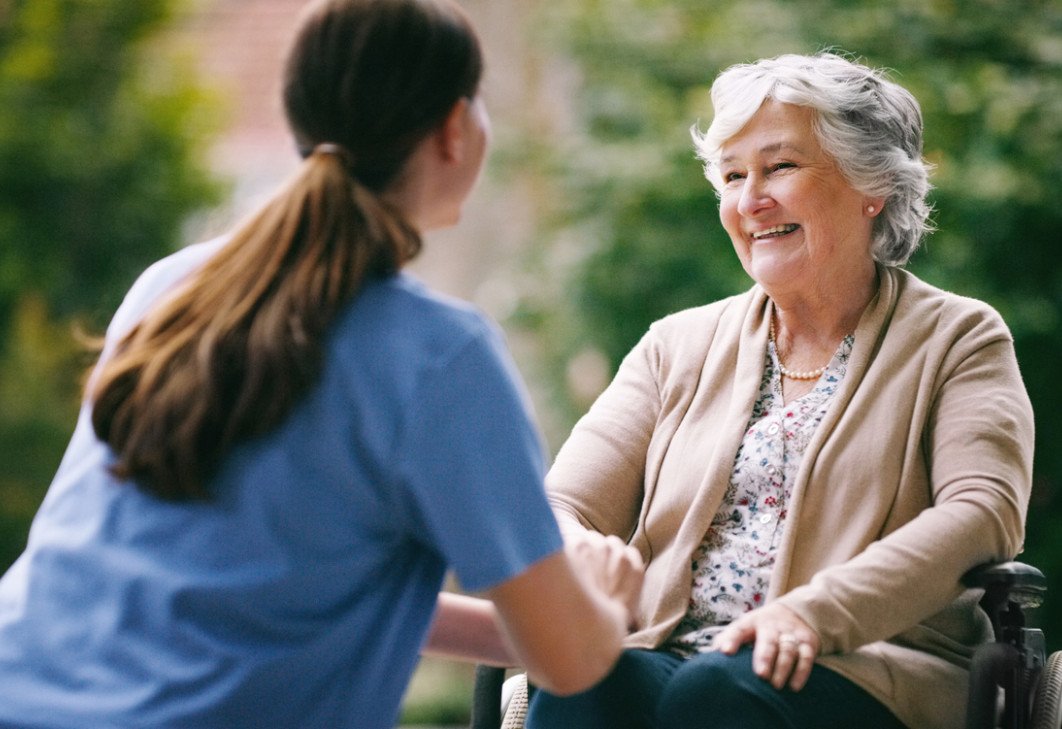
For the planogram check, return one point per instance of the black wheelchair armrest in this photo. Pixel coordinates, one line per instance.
(486, 697)
(1015, 582)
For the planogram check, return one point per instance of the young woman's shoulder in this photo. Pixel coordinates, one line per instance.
(405, 301)
(408, 322)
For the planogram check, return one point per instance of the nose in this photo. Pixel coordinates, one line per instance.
(755, 196)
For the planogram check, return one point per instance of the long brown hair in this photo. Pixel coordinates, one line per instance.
(227, 355)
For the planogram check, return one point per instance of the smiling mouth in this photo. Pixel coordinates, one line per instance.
(775, 232)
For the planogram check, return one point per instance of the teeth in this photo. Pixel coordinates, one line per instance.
(778, 229)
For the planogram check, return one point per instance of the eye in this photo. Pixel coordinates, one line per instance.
(781, 166)
(729, 177)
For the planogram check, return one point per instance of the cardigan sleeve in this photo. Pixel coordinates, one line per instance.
(976, 445)
(597, 479)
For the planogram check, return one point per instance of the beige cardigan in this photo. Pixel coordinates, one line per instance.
(920, 470)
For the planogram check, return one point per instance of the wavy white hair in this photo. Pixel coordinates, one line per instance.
(869, 125)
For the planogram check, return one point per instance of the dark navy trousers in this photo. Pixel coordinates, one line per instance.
(659, 690)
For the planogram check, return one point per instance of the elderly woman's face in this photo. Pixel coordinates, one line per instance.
(794, 220)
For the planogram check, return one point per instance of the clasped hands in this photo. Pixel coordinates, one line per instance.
(784, 646)
(611, 565)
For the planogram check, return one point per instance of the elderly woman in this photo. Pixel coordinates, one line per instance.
(807, 468)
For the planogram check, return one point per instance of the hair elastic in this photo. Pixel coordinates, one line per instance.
(335, 149)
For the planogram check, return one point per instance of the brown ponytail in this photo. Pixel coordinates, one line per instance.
(228, 354)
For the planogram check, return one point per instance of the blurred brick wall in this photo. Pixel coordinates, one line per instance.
(239, 46)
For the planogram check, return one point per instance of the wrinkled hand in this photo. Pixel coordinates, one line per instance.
(608, 563)
(785, 646)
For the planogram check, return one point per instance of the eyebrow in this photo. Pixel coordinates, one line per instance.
(766, 149)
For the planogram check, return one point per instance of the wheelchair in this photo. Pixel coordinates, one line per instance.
(1014, 683)
(1016, 665)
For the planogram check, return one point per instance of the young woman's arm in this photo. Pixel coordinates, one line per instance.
(563, 619)
(468, 629)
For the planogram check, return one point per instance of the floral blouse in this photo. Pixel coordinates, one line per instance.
(732, 566)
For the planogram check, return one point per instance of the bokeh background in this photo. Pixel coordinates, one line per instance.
(128, 129)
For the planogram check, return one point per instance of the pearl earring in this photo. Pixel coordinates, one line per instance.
(870, 209)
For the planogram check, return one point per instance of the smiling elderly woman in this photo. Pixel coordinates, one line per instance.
(807, 468)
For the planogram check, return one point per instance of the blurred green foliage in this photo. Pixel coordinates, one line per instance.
(101, 138)
(636, 233)
(99, 145)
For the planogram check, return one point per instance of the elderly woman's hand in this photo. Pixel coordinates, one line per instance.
(785, 646)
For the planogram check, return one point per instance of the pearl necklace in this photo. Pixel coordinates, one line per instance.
(794, 374)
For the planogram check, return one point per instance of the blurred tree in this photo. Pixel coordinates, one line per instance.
(100, 140)
(637, 235)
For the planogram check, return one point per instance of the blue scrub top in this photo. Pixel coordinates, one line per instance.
(299, 596)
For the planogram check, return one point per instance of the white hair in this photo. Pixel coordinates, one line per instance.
(869, 125)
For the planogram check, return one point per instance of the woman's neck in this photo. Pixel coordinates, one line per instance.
(815, 320)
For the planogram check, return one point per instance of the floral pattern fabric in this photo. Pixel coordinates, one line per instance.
(732, 566)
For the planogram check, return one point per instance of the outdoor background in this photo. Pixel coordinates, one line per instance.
(128, 129)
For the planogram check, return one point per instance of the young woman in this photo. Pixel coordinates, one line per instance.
(288, 441)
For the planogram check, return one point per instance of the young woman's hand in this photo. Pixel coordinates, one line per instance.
(565, 617)
(784, 647)
(610, 565)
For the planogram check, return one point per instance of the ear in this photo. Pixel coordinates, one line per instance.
(872, 206)
(451, 135)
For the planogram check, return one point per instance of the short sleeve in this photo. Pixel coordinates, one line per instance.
(473, 463)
